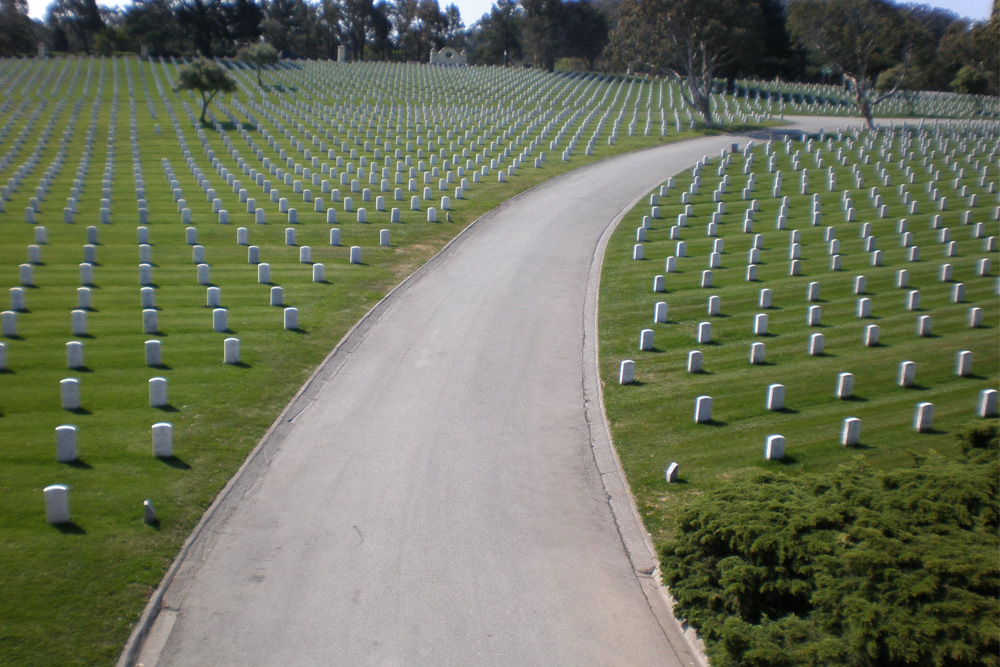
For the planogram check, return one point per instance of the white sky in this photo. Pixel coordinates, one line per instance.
(472, 10)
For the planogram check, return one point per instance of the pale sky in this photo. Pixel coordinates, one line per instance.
(472, 10)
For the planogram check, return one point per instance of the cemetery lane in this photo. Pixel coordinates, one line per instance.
(432, 497)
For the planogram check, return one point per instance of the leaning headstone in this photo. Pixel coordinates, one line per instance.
(850, 433)
(775, 397)
(56, 504)
(626, 372)
(671, 472)
(765, 298)
(148, 513)
(65, 443)
(774, 448)
(845, 385)
(923, 417)
(703, 409)
(163, 440)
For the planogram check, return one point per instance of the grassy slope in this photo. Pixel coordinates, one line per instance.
(70, 596)
(652, 420)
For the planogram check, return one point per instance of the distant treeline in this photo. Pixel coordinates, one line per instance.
(944, 51)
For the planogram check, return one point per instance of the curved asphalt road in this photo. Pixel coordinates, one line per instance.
(442, 492)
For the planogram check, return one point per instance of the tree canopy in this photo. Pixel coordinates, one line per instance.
(861, 567)
(206, 77)
(259, 55)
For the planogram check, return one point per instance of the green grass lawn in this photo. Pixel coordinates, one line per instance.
(72, 593)
(652, 420)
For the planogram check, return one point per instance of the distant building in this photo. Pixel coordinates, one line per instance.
(449, 56)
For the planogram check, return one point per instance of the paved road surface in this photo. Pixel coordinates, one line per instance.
(433, 497)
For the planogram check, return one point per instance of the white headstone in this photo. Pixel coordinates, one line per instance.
(158, 392)
(756, 353)
(163, 440)
(672, 472)
(65, 443)
(646, 339)
(963, 363)
(775, 397)
(703, 409)
(774, 448)
(694, 361)
(850, 433)
(56, 504)
(154, 356)
(923, 417)
(69, 393)
(845, 386)
(291, 319)
(986, 405)
(626, 372)
(231, 351)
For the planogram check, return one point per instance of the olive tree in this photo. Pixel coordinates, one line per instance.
(688, 40)
(208, 78)
(856, 39)
(258, 55)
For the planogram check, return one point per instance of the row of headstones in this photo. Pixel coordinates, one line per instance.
(850, 433)
(845, 381)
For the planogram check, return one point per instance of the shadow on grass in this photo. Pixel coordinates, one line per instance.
(974, 376)
(788, 460)
(298, 330)
(933, 431)
(679, 480)
(81, 411)
(860, 445)
(70, 528)
(154, 524)
(787, 411)
(241, 364)
(763, 363)
(83, 369)
(714, 422)
(163, 367)
(175, 462)
(855, 399)
(79, 464)
(167, 408)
